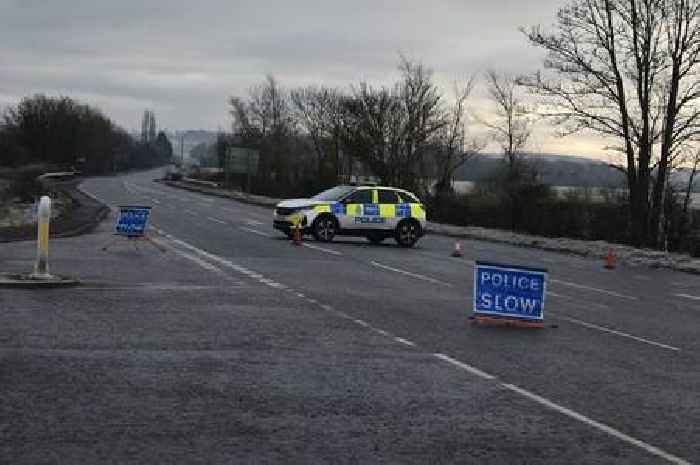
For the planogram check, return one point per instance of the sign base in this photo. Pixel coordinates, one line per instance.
(134, 240)
(509, 322)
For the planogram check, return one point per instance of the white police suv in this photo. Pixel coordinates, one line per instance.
(367, 211)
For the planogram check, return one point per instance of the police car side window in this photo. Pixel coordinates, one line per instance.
(363, 196)
(408, 198)
(386, 196)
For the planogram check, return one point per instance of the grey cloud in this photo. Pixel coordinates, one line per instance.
(184, 58)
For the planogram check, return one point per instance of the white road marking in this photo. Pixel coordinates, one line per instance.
(688, 296)
(255, 231)
(597, 425)
(156, 201)
(253, 222)
(382, 332)
(529, 395)
(321, 249)
(616, 332)
(464, 366)
(206, 265)
(594, 289)
(404, 341)
(412, 275)
(216, 220)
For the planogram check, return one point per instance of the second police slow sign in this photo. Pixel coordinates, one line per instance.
(507, 291)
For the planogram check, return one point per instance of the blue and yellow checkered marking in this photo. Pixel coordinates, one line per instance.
(370, 209)
(338, 209)
(403, 210)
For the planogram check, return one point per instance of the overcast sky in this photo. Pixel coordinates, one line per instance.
(184, 58)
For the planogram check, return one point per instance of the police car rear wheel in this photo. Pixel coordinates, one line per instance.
(324, 228)
(407, 233)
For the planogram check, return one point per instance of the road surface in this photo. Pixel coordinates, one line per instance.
(246, 349)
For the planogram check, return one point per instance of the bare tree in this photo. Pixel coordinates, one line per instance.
(626, 70)
(451, 146)
(318, 113)
(389, 129)
(512, 126)
(693, 170)
(148, 127)
(263, 120)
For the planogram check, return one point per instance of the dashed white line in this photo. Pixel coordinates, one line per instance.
(206, 265)
(412, 275)
(618, 333)
(597, 425)
(253, 222)
(477, 372)
(321, 249)
(464, 366)
(156, 201)
(593, 289)
(688, 296)
(404, 341)
(254, 231)
(381, 331)
(216, 220)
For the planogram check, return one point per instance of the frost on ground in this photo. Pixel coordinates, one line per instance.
(15, 213)
(625, 254)
(598, 249)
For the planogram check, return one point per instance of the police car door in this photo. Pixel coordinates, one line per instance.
(388, 200)
(354, 217)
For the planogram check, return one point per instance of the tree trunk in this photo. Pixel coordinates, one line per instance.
(639, 211)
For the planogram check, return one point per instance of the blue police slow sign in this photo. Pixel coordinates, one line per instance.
(132, 221)
(507, 291)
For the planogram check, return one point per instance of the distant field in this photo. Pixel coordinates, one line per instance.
(464, 187)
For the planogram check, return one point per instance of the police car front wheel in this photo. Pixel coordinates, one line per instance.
(407, 233)
(324, 228)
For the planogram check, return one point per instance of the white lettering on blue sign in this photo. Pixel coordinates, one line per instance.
(509, 291)
(132, 221)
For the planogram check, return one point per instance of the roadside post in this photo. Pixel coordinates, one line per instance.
(509, 295)
(41, 266)
(40, 277)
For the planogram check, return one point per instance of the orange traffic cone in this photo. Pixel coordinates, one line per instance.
(458, 252)
(610, 260)
(297, 238)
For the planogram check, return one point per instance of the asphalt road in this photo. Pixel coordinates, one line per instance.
(237, 347)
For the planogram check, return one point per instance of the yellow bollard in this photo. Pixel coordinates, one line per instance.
(41, 267)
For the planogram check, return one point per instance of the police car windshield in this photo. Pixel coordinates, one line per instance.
(336, 193)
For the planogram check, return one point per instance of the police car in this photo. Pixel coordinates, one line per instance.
(373, 212)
